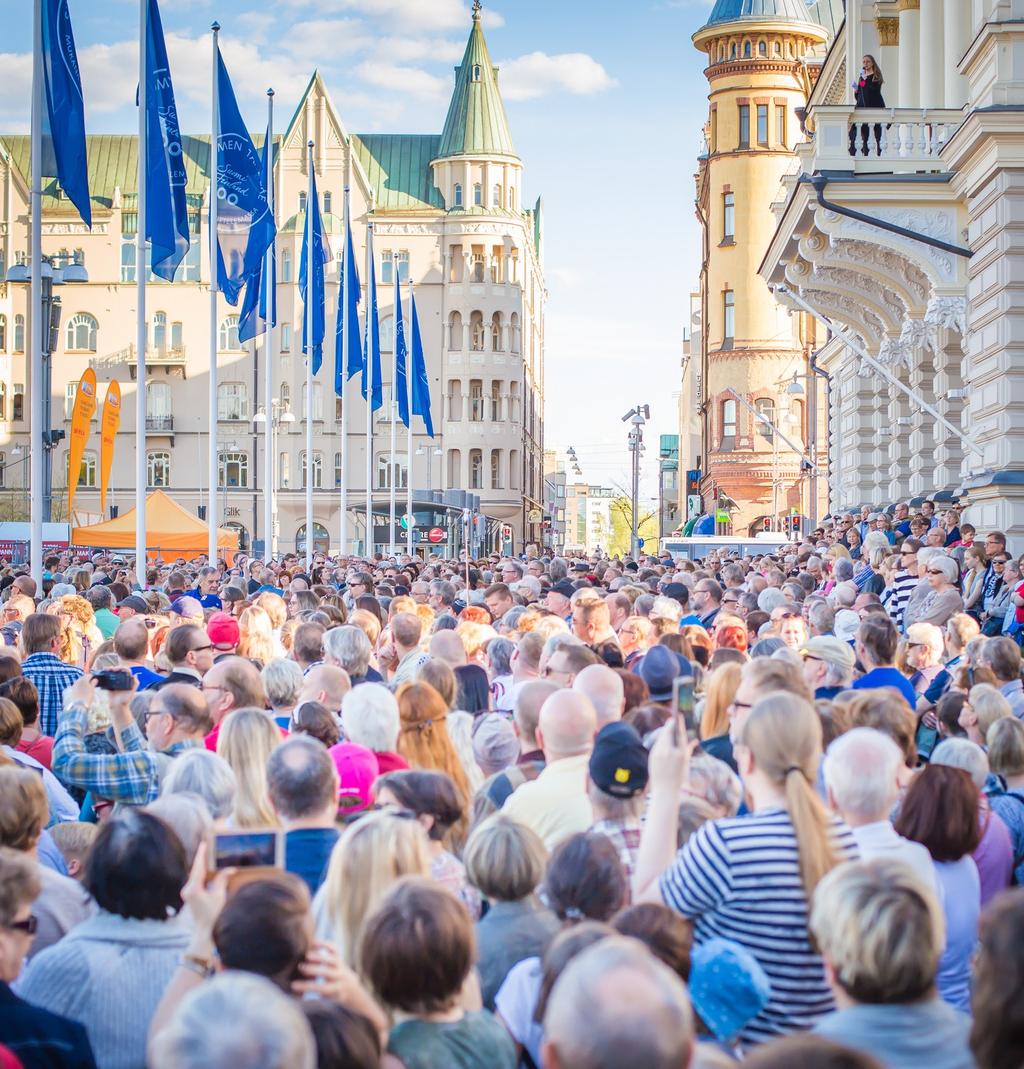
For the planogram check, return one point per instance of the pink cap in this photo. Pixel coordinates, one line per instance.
(357, 771)
(223, 630)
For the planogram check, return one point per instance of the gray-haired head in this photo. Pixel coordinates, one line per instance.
(282, 681)
(348, 648)
(369, 717)
(962, 753)
(188, 816)
(204, 773)
(861, 769)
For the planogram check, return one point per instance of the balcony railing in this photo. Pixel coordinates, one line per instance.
(169, 356)
(880, 140)
(158, 424)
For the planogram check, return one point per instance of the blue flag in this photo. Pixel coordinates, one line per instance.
(245, 225)
(321, 254)
(352, 361)
(371, 365)
(401, 355)
(64, 151)
(420, 382)
(256, 312)
(166, 213)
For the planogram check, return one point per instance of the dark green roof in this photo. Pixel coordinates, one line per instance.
(476, 124)
(398, 169)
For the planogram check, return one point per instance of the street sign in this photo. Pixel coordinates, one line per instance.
(534, 516)
(435, 535)
(722, 516)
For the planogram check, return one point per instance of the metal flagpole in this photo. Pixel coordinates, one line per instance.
(213, 503)
(394, 412)
(36, 446)
(269, 354)
(369, 392)
(140, 312)
(310, 209)
(408, 480)
(343, 356)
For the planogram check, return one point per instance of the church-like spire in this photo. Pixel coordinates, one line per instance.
(476, 124)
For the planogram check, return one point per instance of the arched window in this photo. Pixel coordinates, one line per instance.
(321, 539)
(3, 334)
(746, 50)
(513, 469)
(286, 265)
(232, 401)
(728, 424)
(476, 469)
(243, 534)
(158, 408)
(476, 331)
(762, 48)
(455, 399)
(232, 470)
(513, 402)
(18, 402)
(496, 195)
(337, 469)
(228, 340)
(158, 469)
(19, 334)
(454, 468)
(795, 419)
(285, 395)
(777, 49)
(789, 49)
(496, 346)
(495, 469)
(318, 470)
(87, 473)
(384, 471)
(765, 409)
(478, 195)
(160, 332)
(513, 332)
(476, 72)
(302, 200)
(455, 331)
(511, 199)
(476, 400)
(3, 400)
(80, 334)
(284, 470)
(732, 50)
(387, 334)
(496, 400)
(327, 201)
(318, 402)
(457, 199)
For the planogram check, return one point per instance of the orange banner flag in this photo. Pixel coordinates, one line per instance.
(109, 423)
(81, 421)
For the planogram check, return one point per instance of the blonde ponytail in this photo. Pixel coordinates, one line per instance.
(783, 734)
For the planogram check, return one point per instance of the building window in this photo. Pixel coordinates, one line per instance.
(232, 470)
(158, 469)
(476, 72)
(513, 469)
(729, 302)
(780, 125)
(228, 340)
(80, 334)
(338, 406)
(476, 331)
(496, 195)
(478, 195)
(387, 334)
(495, 469)
(497, 264)
(454, 468)
(327, 202)
(384, 472)
(160, 332)
(19, 334)
(337, 469)
(476, 401)
(476, 469)
(513, 332)
(3, 334)
(762, 124)
(3, 400)
(496, 401)
(318, 470)
(318, 402)
(387, 266)
(496, 333)
(286, 265)
(477, 265)
(762, 48)
(728, 424)
(455, 399)
(511, 199)
(457, 199)
(777, 49)
(746, 50)
(286, 337)
(732, 50)
(232, 401)
(744, 126)
(18, 402)
(284, 470)
(87, 472)
(302, 200)
(455, 331)
(729, 217)
(455, 263)
(158, 406)
(70, 393)
(765, 409)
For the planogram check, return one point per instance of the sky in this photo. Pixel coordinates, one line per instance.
(605, 98)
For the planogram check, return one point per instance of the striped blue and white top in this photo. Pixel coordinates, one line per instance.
(739, 879)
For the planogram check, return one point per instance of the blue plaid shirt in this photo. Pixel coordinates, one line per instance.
(51, 677)
(131, 776)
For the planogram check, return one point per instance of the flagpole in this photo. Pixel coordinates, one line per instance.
(394, 410)
(409, 371)
(369, 391)
(36, 445)
(140, 311)
(270, 492)
(345, 327)
(212, 508)
(310, 295)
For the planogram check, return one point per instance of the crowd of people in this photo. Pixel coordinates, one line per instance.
(500, 836)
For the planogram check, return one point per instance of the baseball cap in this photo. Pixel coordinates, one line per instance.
(223, 630)
(187, 607)
(658, 668)
(618, 762)
(357, 770)
(133, 601)
(495, 743)
(564, 587)
(728, 986)
(676, 591)
(832, 650)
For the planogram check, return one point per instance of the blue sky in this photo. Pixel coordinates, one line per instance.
(605, 98)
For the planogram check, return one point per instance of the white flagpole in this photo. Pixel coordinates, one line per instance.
(408, 386)
(310, 252)
(394, 410)
(345, 328)
(36, 446)
(212, 508)
(269, 354)
(369, 393)
(140, 312)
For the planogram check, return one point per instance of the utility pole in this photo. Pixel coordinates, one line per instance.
(636, 417)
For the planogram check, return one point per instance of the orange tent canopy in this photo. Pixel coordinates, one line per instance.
(170, 530)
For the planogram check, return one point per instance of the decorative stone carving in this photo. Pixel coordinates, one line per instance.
(407, 228)
(73, 228)
(935, 223)
(836, 92)
(875, 258)
(915, 335)
(888, 31)
(894, 352)
(945, 313)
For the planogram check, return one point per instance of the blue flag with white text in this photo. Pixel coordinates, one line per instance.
(321, 254)
(401, 385)
(63, 116)
(347, 332)
(166, 212)
(259, 302)
(245, 225)
(371, 365)
(420, 382)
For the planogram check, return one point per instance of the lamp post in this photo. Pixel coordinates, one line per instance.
(279, 414)
(637, 419)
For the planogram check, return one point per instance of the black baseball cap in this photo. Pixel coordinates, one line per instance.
(565, 588)
(618, 762)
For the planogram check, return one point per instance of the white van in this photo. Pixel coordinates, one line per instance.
(696, 547)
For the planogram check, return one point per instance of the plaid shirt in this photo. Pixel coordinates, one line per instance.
(626, 840)
(131, 776)
(51, 677)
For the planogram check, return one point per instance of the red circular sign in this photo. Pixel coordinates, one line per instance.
(435, 535)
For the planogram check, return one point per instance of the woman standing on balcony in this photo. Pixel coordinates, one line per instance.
(867, 93)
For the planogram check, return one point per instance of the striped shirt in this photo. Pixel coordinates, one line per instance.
(903, 585)
(739, 879)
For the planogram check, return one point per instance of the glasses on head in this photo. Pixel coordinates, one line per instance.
(29, 925)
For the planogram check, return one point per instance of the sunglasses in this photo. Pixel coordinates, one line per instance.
(29, 925)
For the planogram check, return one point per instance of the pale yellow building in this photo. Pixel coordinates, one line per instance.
(451, 206)
(762, 58)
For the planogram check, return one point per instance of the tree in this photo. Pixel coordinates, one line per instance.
(621, 510)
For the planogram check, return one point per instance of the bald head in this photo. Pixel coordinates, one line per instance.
(326, 683)
(567, 725)
(526, 712)
(448, 647)
(606, 692)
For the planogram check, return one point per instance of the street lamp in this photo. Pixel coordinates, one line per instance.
(637, 418)
(279, 414)
(41, 371)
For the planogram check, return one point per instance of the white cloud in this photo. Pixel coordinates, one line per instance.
(403, 79)
(538, 74)
(403, 49)
(318, 41)
(412, 15)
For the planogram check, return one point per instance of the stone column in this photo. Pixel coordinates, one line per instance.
(947, 343)
(857, 435)
(957, 33)
(909, 94)
(932, 53)
(487, 185)
(922, 437)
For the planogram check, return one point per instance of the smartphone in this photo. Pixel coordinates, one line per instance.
(113, 679)
(257, 848)
(684, 722)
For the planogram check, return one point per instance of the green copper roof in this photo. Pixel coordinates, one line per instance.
(398, 169)
(476, 123)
